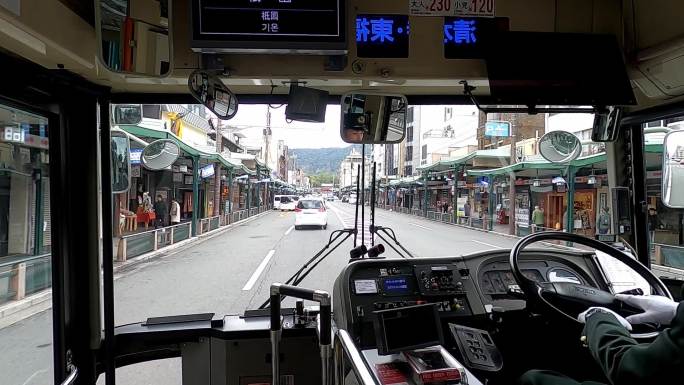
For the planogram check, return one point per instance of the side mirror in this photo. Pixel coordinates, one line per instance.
(160, 154)
(127, 113)
(209, 90)
(133, 36)
(560, 147)
(606, 125)
(672, 193)
(373, 118)
(121, 164)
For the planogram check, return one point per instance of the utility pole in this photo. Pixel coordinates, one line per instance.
(267, 134)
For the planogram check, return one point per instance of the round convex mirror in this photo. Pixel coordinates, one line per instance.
(560, 147)
(160, 154)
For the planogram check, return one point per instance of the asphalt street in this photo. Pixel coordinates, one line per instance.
(228, 274)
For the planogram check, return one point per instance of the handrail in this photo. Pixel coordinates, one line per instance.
(155, 230)
(17, 260)
(73, 375)
(358, 365)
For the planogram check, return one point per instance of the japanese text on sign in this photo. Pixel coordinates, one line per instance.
(473, 8)
(382, 36)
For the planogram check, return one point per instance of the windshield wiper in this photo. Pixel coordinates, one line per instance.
(311, 264)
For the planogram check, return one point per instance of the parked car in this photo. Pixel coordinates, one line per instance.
(311, 212)
(287, 203)
(276, 202)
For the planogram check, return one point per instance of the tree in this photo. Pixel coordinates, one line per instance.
(317, 180)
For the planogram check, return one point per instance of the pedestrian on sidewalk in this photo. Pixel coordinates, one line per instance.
(466, 209)
(175, 212)
(160, 211)
(537, 218)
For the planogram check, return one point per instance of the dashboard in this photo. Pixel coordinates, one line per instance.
(464, 288)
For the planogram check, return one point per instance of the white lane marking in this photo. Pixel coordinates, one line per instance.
(30, 379)
(258, 271)
(417, 225)
(289, 230)
(337, 214)
(487, 244)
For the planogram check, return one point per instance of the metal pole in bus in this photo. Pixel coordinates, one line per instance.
(356, 209)
(363, 190)
(372, 206)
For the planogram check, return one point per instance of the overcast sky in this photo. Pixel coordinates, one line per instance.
(252, 119)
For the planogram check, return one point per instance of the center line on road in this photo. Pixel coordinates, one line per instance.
(258, 271)
(487, 244)
(421, 226)
(289, 230)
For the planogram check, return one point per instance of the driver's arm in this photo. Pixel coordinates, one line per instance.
(624, 361)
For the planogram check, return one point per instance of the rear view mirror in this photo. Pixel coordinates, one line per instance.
(606, 125)
(121, 165)
(209, 90)
(160, 154)
(127, 113)
(373, 118)
(673, 170)
(133, 36)
(560, 147)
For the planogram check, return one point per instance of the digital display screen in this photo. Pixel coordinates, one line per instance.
(243, 25)
(469, 37)
(391, 327)
(382, 36)
(393, 285)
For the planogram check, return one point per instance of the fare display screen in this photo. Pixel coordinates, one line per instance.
(396, 286)
(244, 25)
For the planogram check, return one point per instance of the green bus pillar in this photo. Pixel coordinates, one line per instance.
(569, 225)
(249, 195)
(38, 219)
(230, 193)
(490, 205)
(195, 194)
(426, 196)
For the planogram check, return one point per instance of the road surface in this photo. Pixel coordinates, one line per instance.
(228, 274)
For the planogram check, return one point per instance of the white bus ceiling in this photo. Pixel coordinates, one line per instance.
(48, 32)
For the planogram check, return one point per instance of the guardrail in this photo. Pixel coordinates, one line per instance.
(24, 275)
(137, 244)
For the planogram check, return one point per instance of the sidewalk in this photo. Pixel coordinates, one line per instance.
(15, 311)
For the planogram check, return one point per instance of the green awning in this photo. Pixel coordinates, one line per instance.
(540, 165)
(186, 148)
(448, 164)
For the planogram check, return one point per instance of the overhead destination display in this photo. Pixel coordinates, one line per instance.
(269, 26)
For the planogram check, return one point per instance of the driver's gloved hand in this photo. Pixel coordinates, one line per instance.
(657, 309)
(593, 310)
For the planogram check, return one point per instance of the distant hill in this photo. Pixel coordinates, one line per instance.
(321, 160)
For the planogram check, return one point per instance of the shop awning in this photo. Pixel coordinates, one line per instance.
(540, 165)
(186, 148)
(448, 164)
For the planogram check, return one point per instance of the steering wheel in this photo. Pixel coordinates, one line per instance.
(577, 294)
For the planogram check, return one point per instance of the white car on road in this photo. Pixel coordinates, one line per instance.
(287, 203)
(311, 212)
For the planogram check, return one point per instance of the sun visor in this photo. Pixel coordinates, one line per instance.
(535, 68)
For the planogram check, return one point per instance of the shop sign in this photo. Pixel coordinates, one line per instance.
(20, 135)
(183, 168)
(135, 171)
(522, 217)
(136, 153)
(207, 171)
